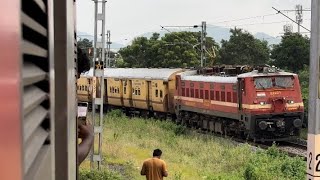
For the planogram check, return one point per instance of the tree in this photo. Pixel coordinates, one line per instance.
(292, 53)
(84, 43)
(243, 48)
(177, 49)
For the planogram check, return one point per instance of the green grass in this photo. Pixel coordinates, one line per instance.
(304, 133)
(189, 155)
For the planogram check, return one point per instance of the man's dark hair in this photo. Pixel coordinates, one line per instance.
(83, 61)
(157, 152)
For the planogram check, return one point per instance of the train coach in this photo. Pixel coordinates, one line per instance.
(262, 105)
(143, 91)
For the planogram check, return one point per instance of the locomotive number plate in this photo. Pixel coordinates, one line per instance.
(274, 93)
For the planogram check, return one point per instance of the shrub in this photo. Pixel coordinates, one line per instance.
(99, 175)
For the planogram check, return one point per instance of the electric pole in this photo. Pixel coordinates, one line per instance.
(203, 43)
(108, 63)
(313, 152)
(98, 78)
(299, 16)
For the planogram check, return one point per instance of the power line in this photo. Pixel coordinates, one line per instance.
(241, 19)
(279, 12)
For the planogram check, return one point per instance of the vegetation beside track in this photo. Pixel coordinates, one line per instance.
(189, 155)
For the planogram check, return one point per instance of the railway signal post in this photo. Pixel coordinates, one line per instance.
(313, 153)
(98, 76)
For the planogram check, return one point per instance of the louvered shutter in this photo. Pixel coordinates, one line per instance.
(36, 86)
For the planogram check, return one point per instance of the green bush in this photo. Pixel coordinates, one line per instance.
(99, 175)
(116, 113)
(266, 165)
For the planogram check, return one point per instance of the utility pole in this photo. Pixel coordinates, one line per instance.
(203, 42)
(98, 78)
(313, 152)
(299, 16)
(108, 64)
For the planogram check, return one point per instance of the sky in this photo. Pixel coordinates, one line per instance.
(127, 19)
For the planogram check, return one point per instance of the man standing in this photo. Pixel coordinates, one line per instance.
(154, 168)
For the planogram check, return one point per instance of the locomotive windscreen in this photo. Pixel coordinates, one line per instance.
(273, 82)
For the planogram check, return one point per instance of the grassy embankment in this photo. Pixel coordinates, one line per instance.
(127, 142)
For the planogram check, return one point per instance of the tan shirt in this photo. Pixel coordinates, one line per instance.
(154, 169)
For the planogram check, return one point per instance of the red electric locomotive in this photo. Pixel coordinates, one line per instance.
(264, 104)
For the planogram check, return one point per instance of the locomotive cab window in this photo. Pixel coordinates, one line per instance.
(283, 82)
(263, 82)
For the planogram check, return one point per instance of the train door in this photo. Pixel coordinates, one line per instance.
(240, 92)
(166, 102)
(130, 91)
(149, 95)
(121, 92)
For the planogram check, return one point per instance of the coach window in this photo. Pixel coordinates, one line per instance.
(183, 93)
(228, 96)
(223, 96)
(139, 91)
(197, 93)
(161, 93)
(234, 87)
(157, 92)
(211, 86)
(217, 95)
(206, 95)
(125, 90)
(85, 88)
(136, 91)
(192, 93)
(112, 89)
(187, 93)
(82, 88)
(118, 90)
(201, 94)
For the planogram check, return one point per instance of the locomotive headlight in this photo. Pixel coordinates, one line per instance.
(262, 103)
(297, 123)
(290, 101)
(263, 125)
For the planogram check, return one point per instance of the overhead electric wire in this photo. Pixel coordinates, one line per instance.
(279, 12)
(241, 19)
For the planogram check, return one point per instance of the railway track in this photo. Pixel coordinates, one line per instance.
(293, 148)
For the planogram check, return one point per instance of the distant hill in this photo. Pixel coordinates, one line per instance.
(219, 33)
(114, 46)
